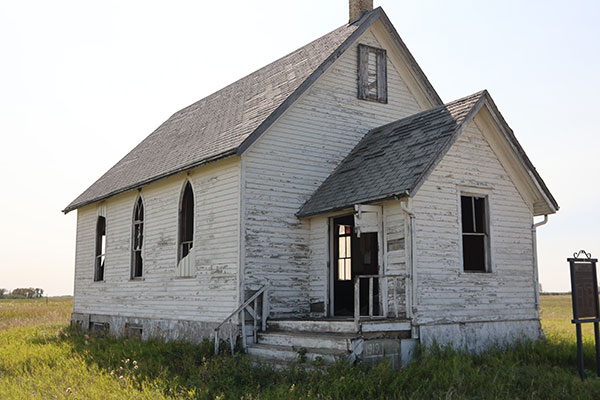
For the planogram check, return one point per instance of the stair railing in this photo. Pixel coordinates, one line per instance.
(250, 306)
(383, 291)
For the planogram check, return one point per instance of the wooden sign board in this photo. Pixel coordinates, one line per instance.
(586, 295)
(586, 307)
(584, 284)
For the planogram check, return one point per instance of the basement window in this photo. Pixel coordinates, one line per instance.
(133, 331)
(100, 328)
(475, 234)
(100, 249)
(138, 237)
(186, 222)
(372, 73)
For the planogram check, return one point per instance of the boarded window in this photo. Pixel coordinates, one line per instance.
(138, 239)
(372, 73)
(100, 249)
(474, 233)
(186, 222)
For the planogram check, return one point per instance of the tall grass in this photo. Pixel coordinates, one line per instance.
(52, 361)
(25, 312)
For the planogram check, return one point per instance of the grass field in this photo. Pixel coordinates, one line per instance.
(40, 358)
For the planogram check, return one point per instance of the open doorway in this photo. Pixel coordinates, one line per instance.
(352, 256)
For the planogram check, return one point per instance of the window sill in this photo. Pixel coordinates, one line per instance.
(137, 279)
(477, 273)
(184, 277)
(102, 281)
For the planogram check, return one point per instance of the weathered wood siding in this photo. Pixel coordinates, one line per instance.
(284, 167)
(395, 250)
(208, 296)
(446, 293)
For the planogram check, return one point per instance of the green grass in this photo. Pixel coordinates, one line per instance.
(48, 360)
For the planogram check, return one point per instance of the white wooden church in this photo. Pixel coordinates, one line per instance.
(328, 201)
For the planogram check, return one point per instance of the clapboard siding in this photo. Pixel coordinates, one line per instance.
(208, 296)
(445, 292)
(286, 165)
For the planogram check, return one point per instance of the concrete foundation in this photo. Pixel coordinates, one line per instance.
(145, 328)
(480, 336)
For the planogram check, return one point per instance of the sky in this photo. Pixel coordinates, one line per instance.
(82, 82)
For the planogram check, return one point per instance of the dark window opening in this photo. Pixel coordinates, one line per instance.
(138, 238)
(372, 73)
(100, 249)
(474, 233)
(186, 222)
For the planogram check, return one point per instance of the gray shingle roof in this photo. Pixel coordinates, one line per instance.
(230, 120)
(395, 159)
(392, 159)
(217, 125)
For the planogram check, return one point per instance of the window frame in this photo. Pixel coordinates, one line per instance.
(381, 95)
(488, 234)
(180, 233)
(134, 251)
(99, 256)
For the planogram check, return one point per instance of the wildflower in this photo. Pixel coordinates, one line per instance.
(292, 387)
(135, 367)
(120, 376)
(68, 390)
(126, 361)
(134, 362)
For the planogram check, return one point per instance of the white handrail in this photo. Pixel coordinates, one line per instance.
(254, 314)
(382, 309)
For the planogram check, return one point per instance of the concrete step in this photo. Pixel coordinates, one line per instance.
(335, 341)
(287, 354)
(298, 325)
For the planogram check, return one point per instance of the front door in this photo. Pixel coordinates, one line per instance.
(352, 256)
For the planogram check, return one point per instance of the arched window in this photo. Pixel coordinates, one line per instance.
(186, 222)
(100, 248)
(137, 262)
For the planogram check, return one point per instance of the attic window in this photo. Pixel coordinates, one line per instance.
(100, 248)
(138, 237)
(372, 73)
(475, 235)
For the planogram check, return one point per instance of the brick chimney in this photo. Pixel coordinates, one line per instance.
(358, 8)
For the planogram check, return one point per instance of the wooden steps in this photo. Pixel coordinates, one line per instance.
(315, 342)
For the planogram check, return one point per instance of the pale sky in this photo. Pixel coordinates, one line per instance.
(82, 82)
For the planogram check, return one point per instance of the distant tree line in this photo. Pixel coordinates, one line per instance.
(22, 293)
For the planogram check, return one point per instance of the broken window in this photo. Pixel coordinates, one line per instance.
(372, 73)
(138, 238)
(100, 248)
(186, 222)
(344, 260)
(474, 233)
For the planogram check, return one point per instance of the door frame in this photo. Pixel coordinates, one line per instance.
(330, 309)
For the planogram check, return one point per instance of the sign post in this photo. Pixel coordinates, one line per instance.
(584, 296)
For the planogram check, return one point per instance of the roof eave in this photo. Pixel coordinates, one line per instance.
(204, 161)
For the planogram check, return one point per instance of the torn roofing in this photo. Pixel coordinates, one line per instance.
(394, 160)
(228, 121)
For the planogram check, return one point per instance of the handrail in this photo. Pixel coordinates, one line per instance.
(241, 309)
(383, 290)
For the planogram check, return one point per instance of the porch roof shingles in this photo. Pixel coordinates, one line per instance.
(217, 125)
(391, 159)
